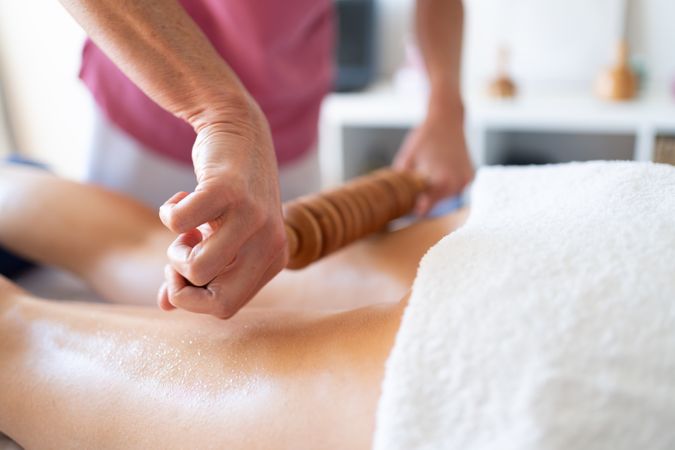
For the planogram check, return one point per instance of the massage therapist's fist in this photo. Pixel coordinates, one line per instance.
(231, 238)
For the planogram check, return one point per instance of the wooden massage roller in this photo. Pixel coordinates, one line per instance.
(319, 224)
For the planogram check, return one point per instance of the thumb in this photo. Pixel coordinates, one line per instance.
(423, 205)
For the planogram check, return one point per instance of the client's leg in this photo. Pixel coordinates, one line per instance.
(114, 243)
(100, 376)
(118, 246)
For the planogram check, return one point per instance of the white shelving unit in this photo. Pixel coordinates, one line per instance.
(359, 131)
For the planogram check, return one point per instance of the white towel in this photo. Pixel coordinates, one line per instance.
(547, 321)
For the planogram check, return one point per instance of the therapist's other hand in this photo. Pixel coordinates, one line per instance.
(232, 238)
(437, 150)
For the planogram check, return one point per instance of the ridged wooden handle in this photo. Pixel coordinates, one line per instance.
(319, 224)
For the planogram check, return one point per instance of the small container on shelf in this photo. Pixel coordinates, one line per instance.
(619, 82)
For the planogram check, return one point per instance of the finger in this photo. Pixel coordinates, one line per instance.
(181, 250)
(404, 159)
(182, 295)
(441, 187)
(226, 294)
(166, 206)
(192, 210)
(407, 156)
(215, 255)
(163, 299)
(237, 286)
(207, 229)
(199, 300)
(175, 198)
(423, 205)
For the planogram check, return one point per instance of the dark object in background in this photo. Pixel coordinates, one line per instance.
(11, 265)
(524, 158)
(355, 46)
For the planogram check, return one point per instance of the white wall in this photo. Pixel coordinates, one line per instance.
(39, 58)
(652, 31)
(552, 41)
(549, 40)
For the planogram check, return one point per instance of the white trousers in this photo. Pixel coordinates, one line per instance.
(120, 163)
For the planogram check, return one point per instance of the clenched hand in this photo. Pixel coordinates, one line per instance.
(231, 239)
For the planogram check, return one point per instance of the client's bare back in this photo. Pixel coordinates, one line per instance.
(97, 376)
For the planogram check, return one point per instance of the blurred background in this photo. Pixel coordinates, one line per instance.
(554, 51)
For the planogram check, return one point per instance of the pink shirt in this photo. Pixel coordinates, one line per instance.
(280, 49)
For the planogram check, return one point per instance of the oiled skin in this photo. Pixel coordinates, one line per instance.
(94, 376)
(297, 373)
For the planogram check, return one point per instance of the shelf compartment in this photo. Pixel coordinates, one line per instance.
(516, 147)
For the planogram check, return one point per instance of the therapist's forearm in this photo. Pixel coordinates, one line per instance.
(439, 26)
(163, 51)
(158, 46)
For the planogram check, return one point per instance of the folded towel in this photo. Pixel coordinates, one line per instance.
(547, 321)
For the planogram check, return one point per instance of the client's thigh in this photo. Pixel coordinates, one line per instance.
(105, 376)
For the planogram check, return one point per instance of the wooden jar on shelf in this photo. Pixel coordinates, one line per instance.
(619, 82)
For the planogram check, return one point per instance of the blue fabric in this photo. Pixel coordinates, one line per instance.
(22, 160)
(11, 265)
(446, 206)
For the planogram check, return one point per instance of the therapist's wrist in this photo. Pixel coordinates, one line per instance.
(229, 105)
(239, 117)
(445, 102)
